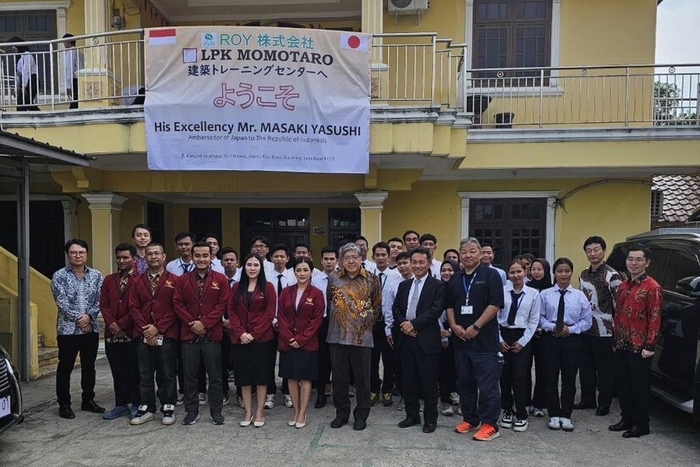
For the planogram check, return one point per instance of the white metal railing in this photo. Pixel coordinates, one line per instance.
(110, 68)
(633, 95)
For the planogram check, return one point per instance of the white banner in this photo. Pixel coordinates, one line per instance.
(250, 98)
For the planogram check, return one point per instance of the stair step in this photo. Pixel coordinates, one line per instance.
(48, 356)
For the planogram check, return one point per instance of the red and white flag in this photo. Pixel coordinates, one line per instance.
(162, 36)
(351, 41)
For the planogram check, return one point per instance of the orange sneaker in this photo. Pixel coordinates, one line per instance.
(486, 433)
(464, 427)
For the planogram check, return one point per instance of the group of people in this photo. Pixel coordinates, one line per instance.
(26, 73)
(459, 332)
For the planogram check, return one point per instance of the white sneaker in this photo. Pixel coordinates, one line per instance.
(270, 401)
(537, 412)
(454, 398)
(566, 424)
(446, 409)
(507, 419)
(168, 414)
(180, 399)
(520, 425)
(287, 401)
(142, 416)
(202, 398)
(554, 423)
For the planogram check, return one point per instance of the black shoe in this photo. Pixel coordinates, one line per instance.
(429, 427)
(409, 422)
(91, 406)
(620, 426)
(64, 411)
(359, 425)
(338, 422)
(602, 411)
(584, 405)
(321, 401)
(636, 431)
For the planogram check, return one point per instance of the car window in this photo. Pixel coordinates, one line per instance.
(659, 258)
(683, 265)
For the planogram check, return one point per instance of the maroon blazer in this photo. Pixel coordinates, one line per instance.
(256, 319)
(156, 309)
(301, 323)
(209, 309)
(114, 304)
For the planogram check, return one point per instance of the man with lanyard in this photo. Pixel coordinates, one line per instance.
(119, 346)
(382, 349)
(475, 294)
(329, 261)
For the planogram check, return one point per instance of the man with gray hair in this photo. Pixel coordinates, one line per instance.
(474, 296)
(354, 299)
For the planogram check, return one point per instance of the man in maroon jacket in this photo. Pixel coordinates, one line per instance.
(200, 301)
(119, 346)
(156, 331)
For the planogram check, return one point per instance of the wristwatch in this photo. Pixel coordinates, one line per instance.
(476, 328)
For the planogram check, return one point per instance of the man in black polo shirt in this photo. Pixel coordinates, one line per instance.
(475, 294)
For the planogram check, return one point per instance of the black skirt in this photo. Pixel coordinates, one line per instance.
(254, 363)
(298, 364)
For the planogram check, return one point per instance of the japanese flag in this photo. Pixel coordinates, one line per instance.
(352, 41)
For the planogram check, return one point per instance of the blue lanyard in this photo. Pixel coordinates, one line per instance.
(467, 288)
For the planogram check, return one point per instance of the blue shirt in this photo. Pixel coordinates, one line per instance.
(76, 297)
(577, 310)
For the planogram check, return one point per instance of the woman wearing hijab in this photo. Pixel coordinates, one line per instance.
(26, 77)
(447, 371)
(541, 274)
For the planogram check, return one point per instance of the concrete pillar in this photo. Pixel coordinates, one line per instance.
(94, 80)
(104, 211)
(371, 205)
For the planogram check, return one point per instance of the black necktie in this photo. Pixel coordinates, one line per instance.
(186, 268)
(382, 279)
(559, 327)
(230, 282)
(514, 305)
(279, 284)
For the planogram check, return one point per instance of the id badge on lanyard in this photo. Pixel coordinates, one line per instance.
(467, 309)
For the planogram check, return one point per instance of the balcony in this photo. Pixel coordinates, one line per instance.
(410, 71)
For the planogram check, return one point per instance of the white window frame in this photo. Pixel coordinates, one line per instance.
(552, 90)
(550, 218)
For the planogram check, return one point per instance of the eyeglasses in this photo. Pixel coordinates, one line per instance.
(77, 253)
(636, 260)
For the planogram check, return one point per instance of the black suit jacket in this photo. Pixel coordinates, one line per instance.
(431, 304)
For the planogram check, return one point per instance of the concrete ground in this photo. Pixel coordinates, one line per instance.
(44, 439)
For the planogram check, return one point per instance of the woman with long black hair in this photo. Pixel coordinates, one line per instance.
(541, 273)
(251, 310)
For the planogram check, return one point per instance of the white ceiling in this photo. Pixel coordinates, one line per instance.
(207, 11)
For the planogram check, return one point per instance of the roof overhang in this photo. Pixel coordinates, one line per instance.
(16, 150)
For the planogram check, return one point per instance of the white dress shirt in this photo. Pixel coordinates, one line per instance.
(74, 61)
(320, 281)
(528, 315)
(26, 67)
(502, 273)
(435, 269)
(177, 267)
(370, 266)
(288, 278)
(217, 266)
(416, 288)
(577, 310)
(388, 303)
(386, 276)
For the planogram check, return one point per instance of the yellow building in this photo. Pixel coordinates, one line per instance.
(528, 124)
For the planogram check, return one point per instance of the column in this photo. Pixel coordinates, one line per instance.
(373, 23)
(67, 219)
(104, 211)
(93, 80)
(371, 205)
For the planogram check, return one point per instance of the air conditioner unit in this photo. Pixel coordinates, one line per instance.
(407, 7)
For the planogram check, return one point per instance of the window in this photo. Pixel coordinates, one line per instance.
(511, 34)
(682, 266)
(657, 205)
(344, 223)
(155, 218)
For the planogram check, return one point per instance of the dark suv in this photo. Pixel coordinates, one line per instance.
(675, 264)
(10, 393)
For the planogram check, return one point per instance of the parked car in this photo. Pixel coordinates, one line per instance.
(10, 393)
(675, 264)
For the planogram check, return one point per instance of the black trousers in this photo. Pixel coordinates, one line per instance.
(562, 355)
(538, 398)
(515, 367)
(73, 94)
(420, 378)
(161, 360)
(382, 350)
(68, 349)
(346, 358)
(225, 363)
(633, 379)
(26, 96)
(447, 374)
(324, 358)
(125, 371)
(193, 354)
(596, 369)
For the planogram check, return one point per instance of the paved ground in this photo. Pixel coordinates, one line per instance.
(44, 439)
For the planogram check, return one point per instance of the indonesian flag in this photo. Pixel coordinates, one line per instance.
(351, 41)
(162, 36)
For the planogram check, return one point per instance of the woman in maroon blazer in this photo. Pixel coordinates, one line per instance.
(251, 310)
(300, 314)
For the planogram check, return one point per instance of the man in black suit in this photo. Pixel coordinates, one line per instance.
(418, 305)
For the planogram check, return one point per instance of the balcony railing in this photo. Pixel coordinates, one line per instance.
(409, 69)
